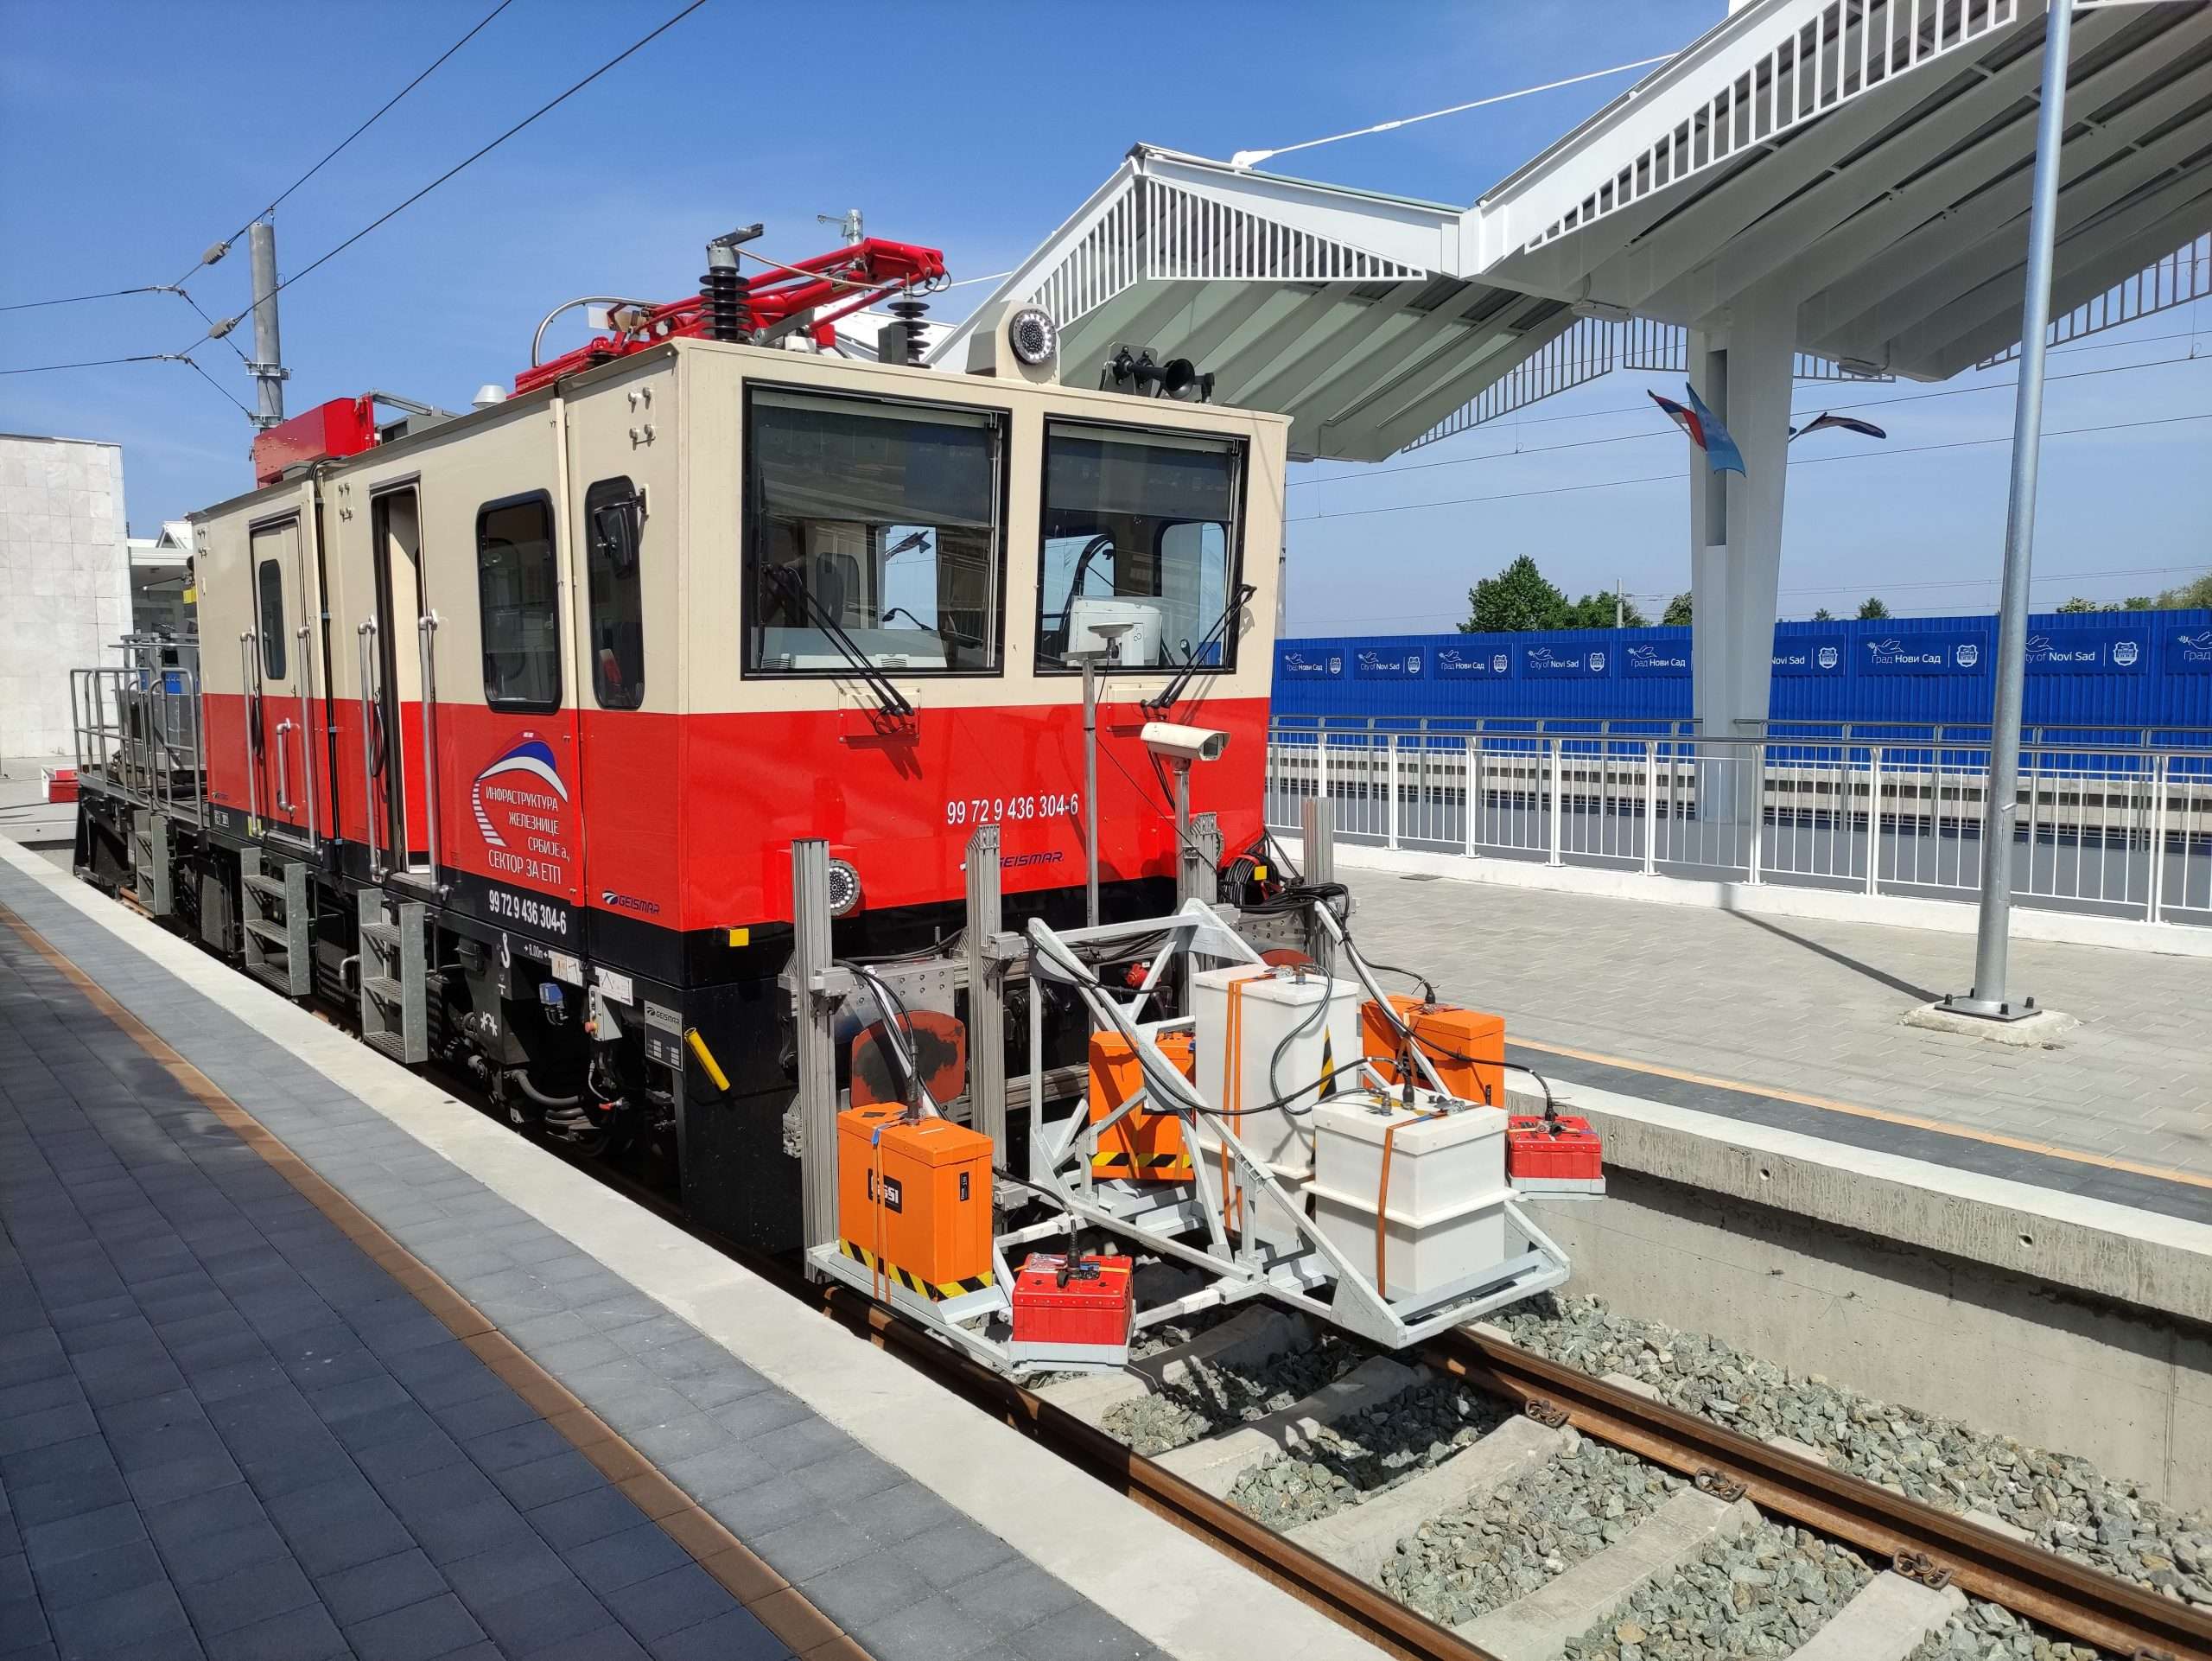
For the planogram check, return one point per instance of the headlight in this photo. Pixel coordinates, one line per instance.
(1033, 335)
(844, 889)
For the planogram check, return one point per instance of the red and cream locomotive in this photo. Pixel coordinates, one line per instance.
(645, 740)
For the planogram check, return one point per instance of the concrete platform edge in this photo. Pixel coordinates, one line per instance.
(1167, 1586)
(2069, 1241)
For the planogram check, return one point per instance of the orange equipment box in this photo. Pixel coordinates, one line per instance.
(1445, 1032)
(1561, 1155)
(1146, 1146)
(915, 1199)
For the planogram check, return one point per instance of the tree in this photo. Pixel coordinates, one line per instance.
(2079, 603)
(2196, 594)
(1677, 615)
(2144, 602)
(1872, 609)
(1516, 600)
(1824, 615)
(1596, 611)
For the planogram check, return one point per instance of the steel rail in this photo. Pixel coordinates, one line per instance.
(1933, 1546)
(1394, 1627)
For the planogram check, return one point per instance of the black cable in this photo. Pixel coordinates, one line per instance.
(79, 299)
(92, 363)
(217, 384)
(332, 154)
(210, 322)
(1444, 1052)
(478, 154)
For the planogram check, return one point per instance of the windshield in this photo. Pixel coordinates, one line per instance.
(875, 521)
(1139, 548)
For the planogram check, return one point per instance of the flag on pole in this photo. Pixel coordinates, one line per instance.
(1705, 430)
(1849, 424)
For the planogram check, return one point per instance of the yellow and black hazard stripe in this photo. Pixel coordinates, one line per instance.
(936, 1291)
(1153, 1165)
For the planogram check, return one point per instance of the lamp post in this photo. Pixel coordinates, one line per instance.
(1991, 997)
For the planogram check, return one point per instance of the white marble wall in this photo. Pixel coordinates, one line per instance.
(65, 581)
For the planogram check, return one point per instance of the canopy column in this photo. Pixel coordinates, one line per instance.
(1741, 364)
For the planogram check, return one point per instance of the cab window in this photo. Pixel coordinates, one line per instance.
(1139, 547)
(271, 578)
(519, 593)
(614, 526)
(872, 532)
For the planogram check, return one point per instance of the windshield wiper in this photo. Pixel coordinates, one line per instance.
(1166, 698)
(893, 700)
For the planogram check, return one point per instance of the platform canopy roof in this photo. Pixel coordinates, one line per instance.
(1872, 156)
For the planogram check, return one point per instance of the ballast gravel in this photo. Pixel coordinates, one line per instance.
(1214, 1397)
(1763, 1592)
(1985, 1632)
(1362, 1453)
(1473, 1559)
(2064, 1503)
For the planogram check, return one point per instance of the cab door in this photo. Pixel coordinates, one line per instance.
(508, 812)
(277, 661)
(391, 713)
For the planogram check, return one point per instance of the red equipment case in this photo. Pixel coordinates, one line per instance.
(1071, 1315)
(1561, 1155)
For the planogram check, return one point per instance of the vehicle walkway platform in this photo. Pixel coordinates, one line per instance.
(300, 1356)
(1798, 1025)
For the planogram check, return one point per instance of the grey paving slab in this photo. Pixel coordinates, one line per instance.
(759, 1460)
(1814, 1009)
(270, 1448)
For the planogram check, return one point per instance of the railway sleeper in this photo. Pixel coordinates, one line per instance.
(1214, 1463)
(1255, 1335)
(1538, 1625)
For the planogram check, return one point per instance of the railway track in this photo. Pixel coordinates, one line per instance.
(1729, 1482)
(1721, 1484)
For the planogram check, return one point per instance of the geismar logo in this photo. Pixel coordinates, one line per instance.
(628, 902)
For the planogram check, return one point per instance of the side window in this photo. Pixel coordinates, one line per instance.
(518, 591)
(614, 523)
(1140, 546)
(269, 575)
(872, 535)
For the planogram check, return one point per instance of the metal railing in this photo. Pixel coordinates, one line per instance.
(136, 725)
(2121, 830)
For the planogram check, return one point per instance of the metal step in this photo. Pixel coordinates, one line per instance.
(278, 936)
(278, 978)
(395, 976)
(391, 1045)
(271, 886)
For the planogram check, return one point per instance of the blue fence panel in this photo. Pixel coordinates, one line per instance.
(2131, 674)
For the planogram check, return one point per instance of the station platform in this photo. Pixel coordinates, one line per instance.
(300, 1356)
(1796, 1025)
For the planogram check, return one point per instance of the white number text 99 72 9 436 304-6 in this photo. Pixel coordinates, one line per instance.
(1012, 810)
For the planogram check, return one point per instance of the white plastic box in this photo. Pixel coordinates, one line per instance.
(1276, 1003)
(1446, 1210)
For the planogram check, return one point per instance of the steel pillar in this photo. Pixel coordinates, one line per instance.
(268, 366)
(2000, 805)
(817, 1046)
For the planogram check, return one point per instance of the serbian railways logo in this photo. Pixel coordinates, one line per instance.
(532, 759)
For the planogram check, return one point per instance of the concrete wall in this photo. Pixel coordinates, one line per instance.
(2074, 1326)
(65, 581)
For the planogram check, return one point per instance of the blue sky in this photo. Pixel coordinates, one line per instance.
(138, 134)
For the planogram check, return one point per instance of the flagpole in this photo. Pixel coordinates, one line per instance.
(1990, 998)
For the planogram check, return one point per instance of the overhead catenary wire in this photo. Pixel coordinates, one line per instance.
(1252, 158)
(481, 151)
(218, 248)
(332, 154)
